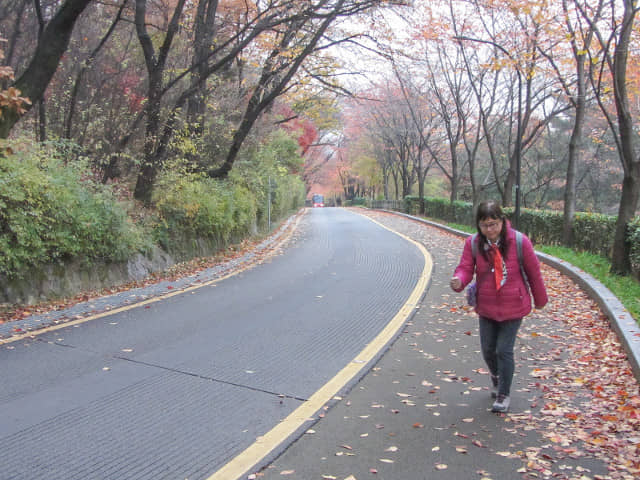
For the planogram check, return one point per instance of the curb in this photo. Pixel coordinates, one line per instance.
(620, 319)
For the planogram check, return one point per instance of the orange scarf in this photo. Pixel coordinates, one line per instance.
(498, 266)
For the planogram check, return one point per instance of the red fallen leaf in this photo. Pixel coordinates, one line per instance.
(418, 425)
(373, 470)
(147, 306)
(170, 287)
(467, 332)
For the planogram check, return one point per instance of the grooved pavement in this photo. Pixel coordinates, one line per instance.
(176, 388)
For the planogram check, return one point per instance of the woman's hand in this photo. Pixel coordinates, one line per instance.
(455, 283)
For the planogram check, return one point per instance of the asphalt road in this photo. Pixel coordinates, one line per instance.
(177, 388)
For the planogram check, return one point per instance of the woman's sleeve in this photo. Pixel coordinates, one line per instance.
(465, 269)
(534, 275)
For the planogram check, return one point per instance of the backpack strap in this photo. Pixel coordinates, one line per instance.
(521, 257)
(474, 246)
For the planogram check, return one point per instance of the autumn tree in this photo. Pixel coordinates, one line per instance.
(611, 79)
(288, 31)
(52, 43)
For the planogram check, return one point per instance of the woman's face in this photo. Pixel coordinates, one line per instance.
(491, 228)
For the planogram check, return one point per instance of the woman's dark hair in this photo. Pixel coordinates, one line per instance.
(491, 210)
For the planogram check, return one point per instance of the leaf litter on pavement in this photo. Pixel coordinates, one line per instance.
(584, 398)
(581, 396)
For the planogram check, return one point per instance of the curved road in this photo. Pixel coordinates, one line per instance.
(178, 388)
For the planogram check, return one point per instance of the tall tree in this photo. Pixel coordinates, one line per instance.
(52, 44)
(300, 36)
(290, 29)
(614, 55)
(156, 63)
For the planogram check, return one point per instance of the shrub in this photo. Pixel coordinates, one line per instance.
(592, 232)
(442, 208)
(192, 207)
(634, 241)
(50, 212)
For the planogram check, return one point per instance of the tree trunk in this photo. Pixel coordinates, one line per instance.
(620, 262)
(575, 145)
(68, 123)
(51, 46)
(203, 39)
(16, 32)
(273, 80)
(155, 69)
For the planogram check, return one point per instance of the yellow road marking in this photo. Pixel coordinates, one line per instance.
(31, 334)
(250, 457)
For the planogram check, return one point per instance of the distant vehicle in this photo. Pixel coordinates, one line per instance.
(317, 200)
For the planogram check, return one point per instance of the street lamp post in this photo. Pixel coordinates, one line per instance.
(516, 219)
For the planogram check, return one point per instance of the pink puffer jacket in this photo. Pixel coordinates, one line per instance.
(512, 300)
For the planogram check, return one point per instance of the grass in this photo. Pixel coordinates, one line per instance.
(625, 288)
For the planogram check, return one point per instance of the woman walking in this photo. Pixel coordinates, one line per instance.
(502, 292)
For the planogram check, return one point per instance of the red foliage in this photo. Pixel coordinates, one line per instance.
(302, 127)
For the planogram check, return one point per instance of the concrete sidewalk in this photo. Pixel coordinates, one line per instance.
(423, 411)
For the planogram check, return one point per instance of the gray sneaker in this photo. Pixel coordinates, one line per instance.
(501, 405)
(494, 386)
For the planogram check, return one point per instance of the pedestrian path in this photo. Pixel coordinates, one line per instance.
(423, 411)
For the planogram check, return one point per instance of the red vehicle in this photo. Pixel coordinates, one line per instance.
(317, 200)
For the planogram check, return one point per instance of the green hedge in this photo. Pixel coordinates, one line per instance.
(592, 232)
(51, 211)
(634, 240)
(192, 209)
(456, 212)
